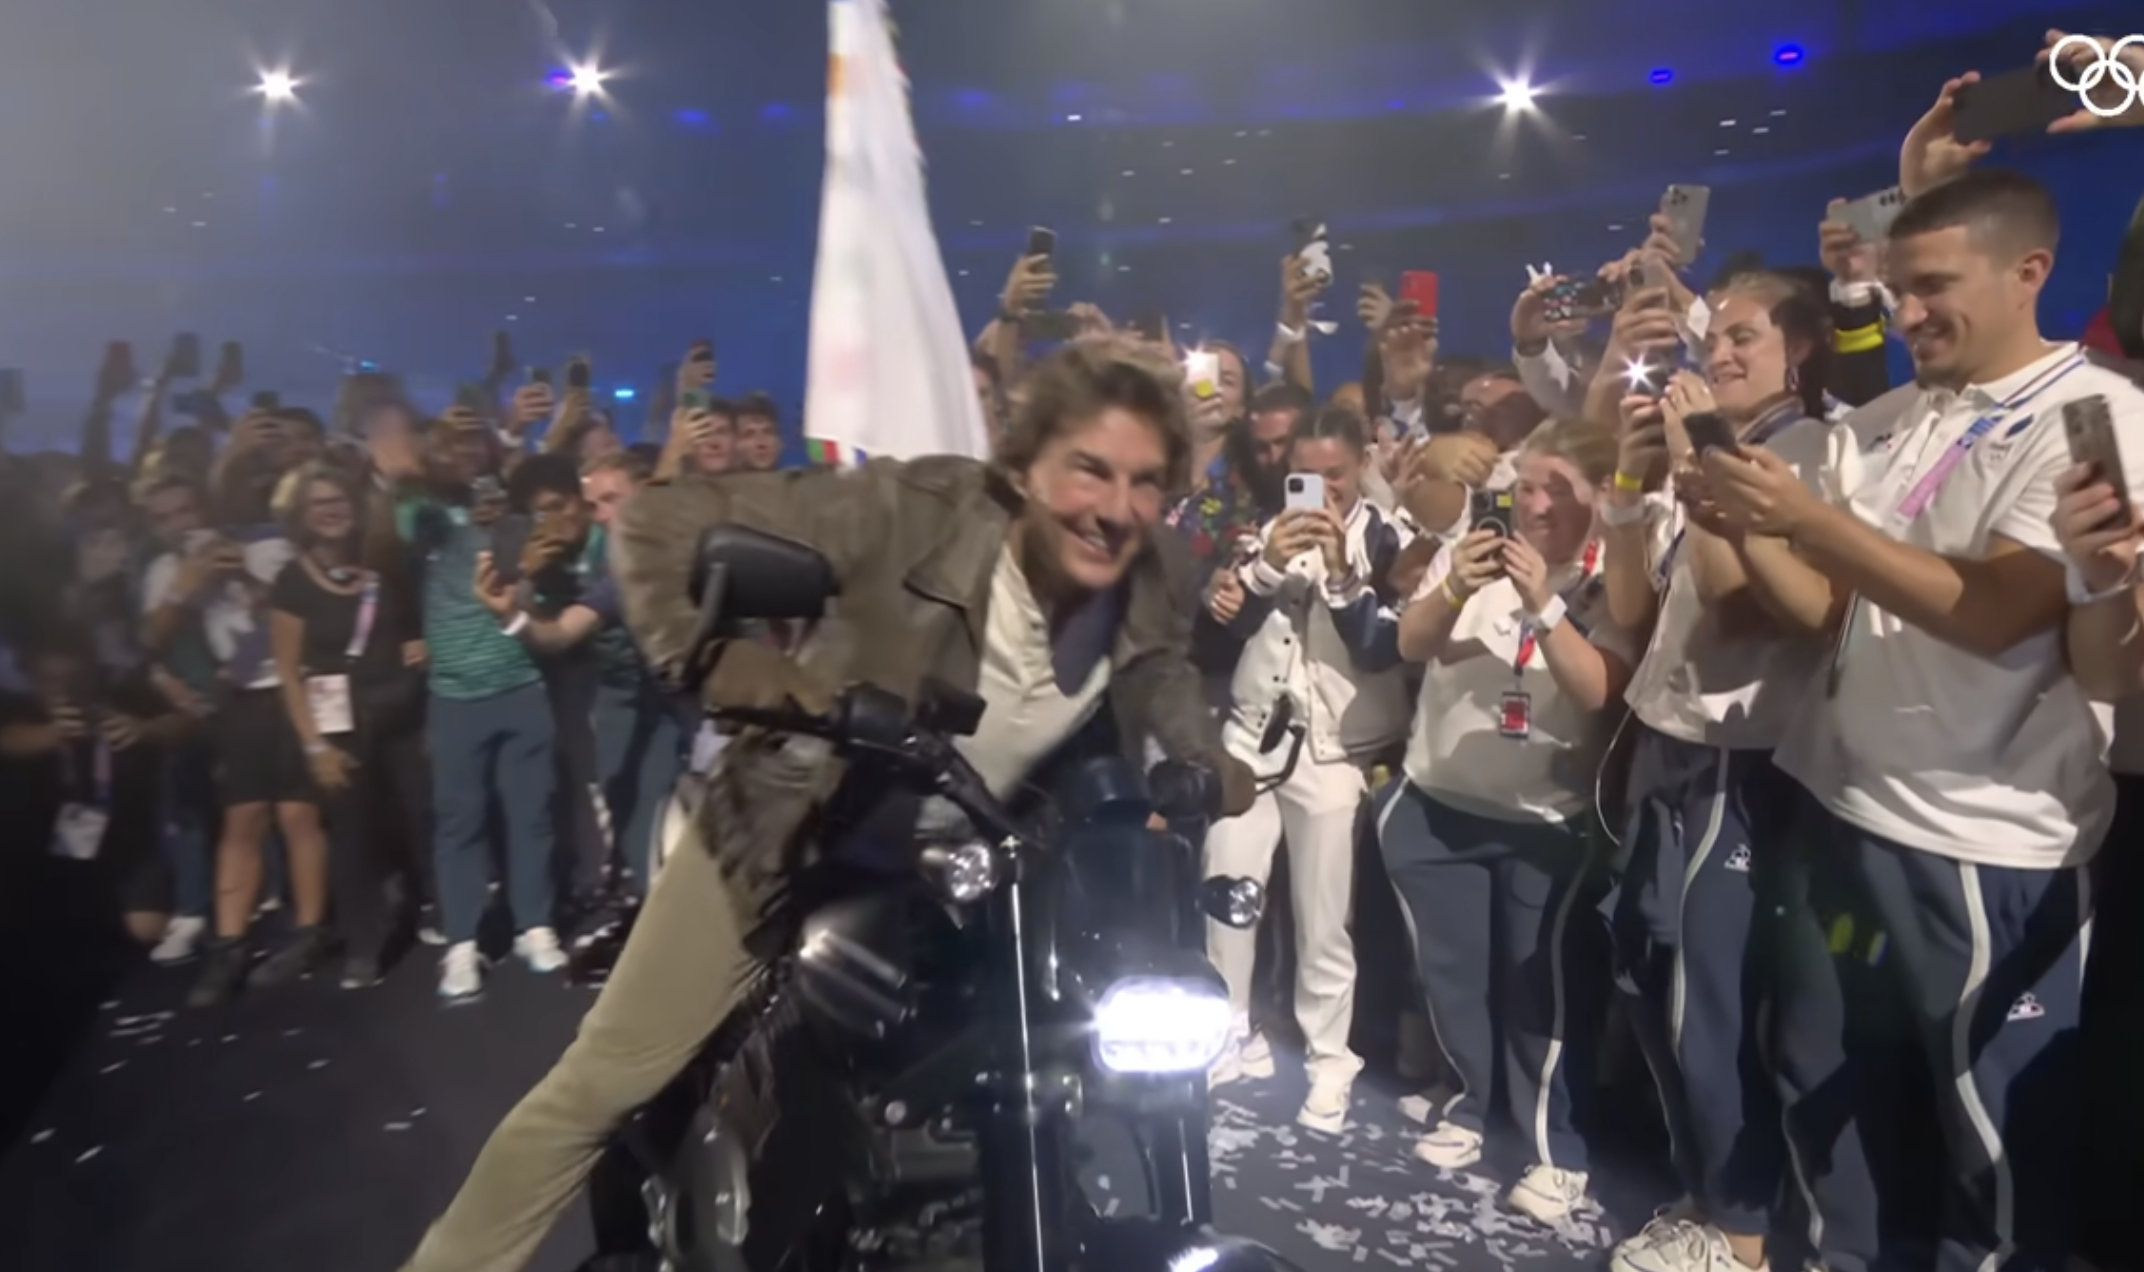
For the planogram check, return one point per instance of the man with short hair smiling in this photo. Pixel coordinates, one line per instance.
(1953, 767)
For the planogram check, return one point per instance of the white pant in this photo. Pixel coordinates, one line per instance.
(1315, 811)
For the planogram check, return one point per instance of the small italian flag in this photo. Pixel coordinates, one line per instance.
(822, 453)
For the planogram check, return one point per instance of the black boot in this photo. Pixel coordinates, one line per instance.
(306, 949)
(223, 966)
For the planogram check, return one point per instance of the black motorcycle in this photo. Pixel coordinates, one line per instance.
(903, 1089)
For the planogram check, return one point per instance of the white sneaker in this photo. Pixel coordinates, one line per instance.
(1450, 1146)
(1548, 1193)
(538, 947)
(461, 973)
(1243, 1058)
(1678, 1245)
(1257, 1057)
(181, 934)
(1664, 1224)
(1325, 1108)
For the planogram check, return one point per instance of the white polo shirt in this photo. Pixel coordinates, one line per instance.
(1026, 714)
(1712, 688)
(1457, 752)
(1998, 762)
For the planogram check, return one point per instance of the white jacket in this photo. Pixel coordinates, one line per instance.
(1334, 653)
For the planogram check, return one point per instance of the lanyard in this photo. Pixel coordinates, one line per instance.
(1767, 426)
(368, 605)
(100, 772)
(1924, 491)
(1527, 638)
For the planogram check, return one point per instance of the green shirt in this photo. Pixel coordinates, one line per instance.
(471, 656)
(586, 581)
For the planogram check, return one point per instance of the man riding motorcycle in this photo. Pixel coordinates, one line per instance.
(1036, 582)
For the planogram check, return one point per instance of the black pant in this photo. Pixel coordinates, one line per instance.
(383, 803)
(1984, 965)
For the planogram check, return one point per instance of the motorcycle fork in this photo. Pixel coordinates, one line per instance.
(1026, 1219)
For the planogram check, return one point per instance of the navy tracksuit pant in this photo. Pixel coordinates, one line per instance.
(1687, 895)
(1491, 906)
(1986, 964)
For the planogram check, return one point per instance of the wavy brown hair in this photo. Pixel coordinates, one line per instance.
(1082, 379)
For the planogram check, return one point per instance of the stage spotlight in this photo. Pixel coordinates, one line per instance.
(277, 86)
(1788, 55)
(587, 79)
(1518, 95)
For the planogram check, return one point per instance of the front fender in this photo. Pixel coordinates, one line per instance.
(1146, 1245)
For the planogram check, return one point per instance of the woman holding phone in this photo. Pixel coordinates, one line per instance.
(1490, 841)
(1737, 642)
(338, 628)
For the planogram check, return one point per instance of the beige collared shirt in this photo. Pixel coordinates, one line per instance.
(1025, 714)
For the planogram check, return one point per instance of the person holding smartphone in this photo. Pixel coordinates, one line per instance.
(1491, 842)
(1317, 696)
(1720, 680)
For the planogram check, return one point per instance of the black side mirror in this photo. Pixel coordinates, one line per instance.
(749, 574)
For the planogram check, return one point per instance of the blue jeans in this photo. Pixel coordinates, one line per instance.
(485, 749)
(639, 742)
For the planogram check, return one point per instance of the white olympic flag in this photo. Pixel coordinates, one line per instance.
(888, 372)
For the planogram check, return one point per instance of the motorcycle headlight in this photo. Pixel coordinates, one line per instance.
(1152, 1025)
(963, 873)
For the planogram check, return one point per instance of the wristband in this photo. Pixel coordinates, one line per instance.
(1624, 481)
(1620, 517)
(1551, 614)
(1859, 339)
(2080, 592)
(1290, 335)
(315, 748)
(518, 624)
(1458, 601)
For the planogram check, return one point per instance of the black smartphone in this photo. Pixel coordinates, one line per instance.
(577, 373)
(502, 353)
(2089, 426)
(1042, 241)
(185, 360)
(119, 360)
(1489, 510)
(1709, 430)
(696, 400)
(11, 395)
(509, 535)
(2014, 104)
(540, 375)
(1151, 324)
(1312, 247)
(231, 363)
(473, 397)
(1049, 325)
(267, 400)
(1575, 298)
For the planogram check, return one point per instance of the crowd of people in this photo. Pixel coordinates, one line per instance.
(1681, 622)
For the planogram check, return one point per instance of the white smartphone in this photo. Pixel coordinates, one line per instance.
(1685, 207)
(1305, 492)
(1202, 371)
(1871, 214)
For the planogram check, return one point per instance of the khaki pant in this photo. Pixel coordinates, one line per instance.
(677, 977)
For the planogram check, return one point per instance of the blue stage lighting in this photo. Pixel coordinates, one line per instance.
(693, 118)
(1662, 75)
(1788, 54)
(622, 394)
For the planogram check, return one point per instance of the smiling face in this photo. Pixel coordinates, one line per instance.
(328, 515)
(1746, 355)
(759, 443)
(1094, 494)
(1337, 463)
(1552, 504)
(1962, 306)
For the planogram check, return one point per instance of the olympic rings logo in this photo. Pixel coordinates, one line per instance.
(2109, 67)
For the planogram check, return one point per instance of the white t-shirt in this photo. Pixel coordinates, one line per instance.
(236, 627)
(1457, 751)
(1025, 715)
(1720, 689)
(1998, 762)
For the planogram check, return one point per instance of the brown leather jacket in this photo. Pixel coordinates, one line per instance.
(913, 545)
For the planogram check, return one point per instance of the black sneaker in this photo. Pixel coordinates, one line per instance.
(223, 966)
(360, 971)
(304, 952)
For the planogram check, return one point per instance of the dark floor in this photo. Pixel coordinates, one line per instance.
(319, 1130)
